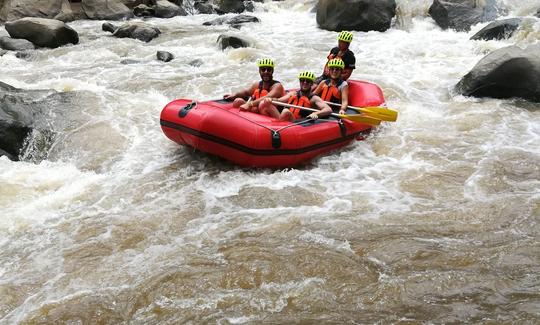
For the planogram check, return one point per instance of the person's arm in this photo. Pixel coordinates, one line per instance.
(241, 93)
(344, 99)
(324, 109)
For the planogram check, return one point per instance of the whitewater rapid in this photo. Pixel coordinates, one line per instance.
(433, 218)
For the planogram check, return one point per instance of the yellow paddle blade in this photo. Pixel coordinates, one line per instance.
(381, 113)
(361, 118)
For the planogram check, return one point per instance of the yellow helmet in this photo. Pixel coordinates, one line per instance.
(307, 75)
(266, 62)
(345, 36)
(336, 63)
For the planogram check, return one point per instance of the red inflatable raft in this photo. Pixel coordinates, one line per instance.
(255, 140)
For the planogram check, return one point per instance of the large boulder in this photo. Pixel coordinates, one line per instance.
(504, 73)
(106, 9)
(361, 15)
(166, 9)
(15, 9)
(17, 118)
(42, 32)
(460, 15)
(500, 29)
(140, 31)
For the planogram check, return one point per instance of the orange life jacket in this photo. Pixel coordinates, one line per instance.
(299, 99)
(331, 93)
(260, 91)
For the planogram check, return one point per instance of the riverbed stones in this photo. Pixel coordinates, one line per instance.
(236, 21)
(42, 32)
(166, 9)
(505, 73)
(361, 15)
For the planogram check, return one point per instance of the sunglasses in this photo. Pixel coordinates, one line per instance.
(266, 69)
(334, 69)
(306, 80)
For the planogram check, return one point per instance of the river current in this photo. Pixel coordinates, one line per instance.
(432, 219)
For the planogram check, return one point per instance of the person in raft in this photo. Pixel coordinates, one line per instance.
(334, 89)
(302, 97)
(258, 90)
(340, 52)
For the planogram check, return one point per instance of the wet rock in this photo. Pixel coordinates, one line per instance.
(500, 29)
(226, 41)
(361, 15)
(16, 9)
(2, 52)
(538, 13)
(129, 61)
(143, 10)
(12, 137)
(505, 73)
(235, 21)
(70, 12)
(134, 3)
(230, 6)
(166, 9)
(203, 8)
(23, 55)
(106, 9)
(14, 44)
(460, 15)
(164, 56)
(43, 32)
(196, 63)
(140, 31)
(108, 27)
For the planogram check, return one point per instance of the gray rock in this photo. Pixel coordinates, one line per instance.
(361, 15)
(500, 29)
(230, 6)
(143, 10)
(226, 41)
(129, 61)
(106, 9)
(505, 73)
(43, 32)
(235, 21)
(15, 9)
(166, 9)
(164, 56)
(13, 44)
(140, 31)
(108, 27)
(460, 15)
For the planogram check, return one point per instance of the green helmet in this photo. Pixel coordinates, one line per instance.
(345, 36)
(307, 75)
(266, 62)
(336, 63)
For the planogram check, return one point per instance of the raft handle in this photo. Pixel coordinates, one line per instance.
(184, 110)
(276, 139)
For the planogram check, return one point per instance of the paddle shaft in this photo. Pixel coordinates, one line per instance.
(356, 117)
